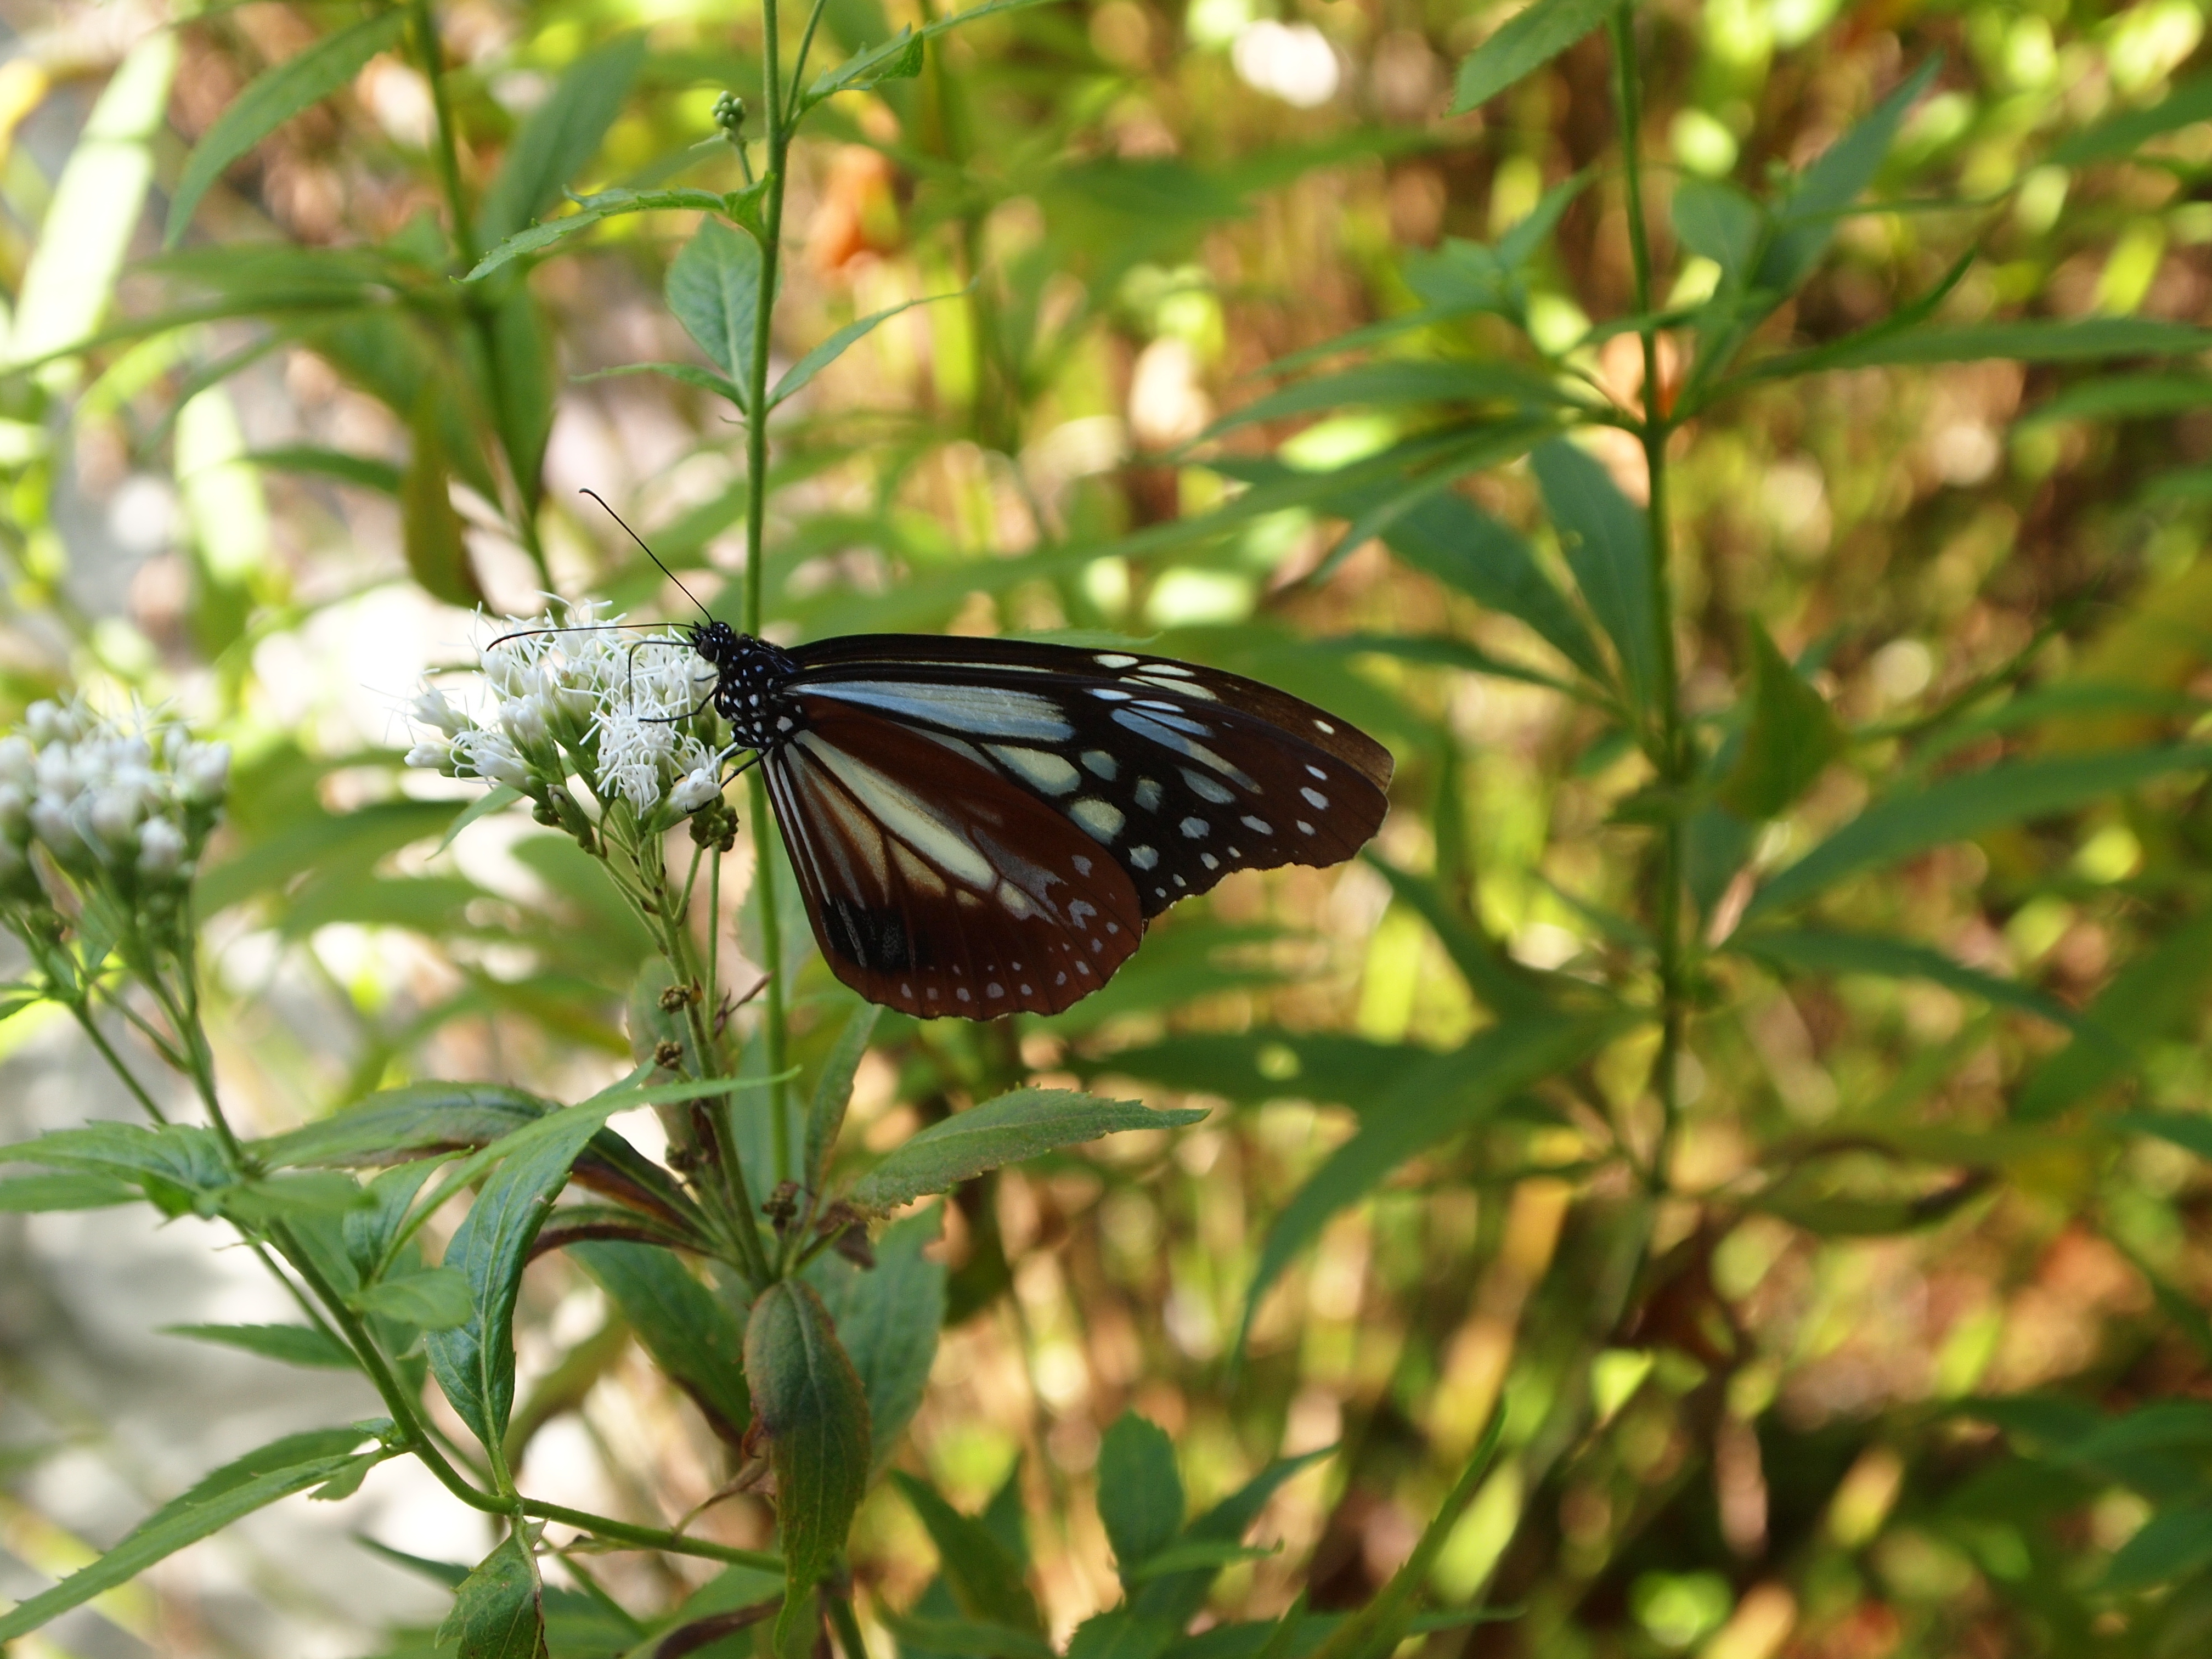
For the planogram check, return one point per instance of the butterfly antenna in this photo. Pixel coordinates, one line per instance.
(649, 553)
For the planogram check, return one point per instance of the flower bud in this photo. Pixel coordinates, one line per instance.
(524, 719)
(696, 789)
(203, 772)
(43, 720)
(490, 756)
(114, 816)
(508, 673)
(430, 708)
(14, 810)
(19, 761)
(431, 758)
(160, 848)
(50, 822)
(730, 113)
(59, 775)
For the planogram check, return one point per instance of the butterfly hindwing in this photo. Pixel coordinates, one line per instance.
(1183, 774)
(934, 885)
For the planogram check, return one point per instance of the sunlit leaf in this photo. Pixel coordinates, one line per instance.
(560, 137)
(1608, 549)
(1017, 1125)
(293, 1345)
(1529, 40)
(1140, 1491)
(696, 1340)
(1791, 737)
(796, 378)
(833, 1091)
(714, 290)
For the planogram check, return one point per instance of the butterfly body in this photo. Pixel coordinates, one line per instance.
(982, 827)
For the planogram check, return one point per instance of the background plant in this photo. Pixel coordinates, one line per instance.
(1770, 1071)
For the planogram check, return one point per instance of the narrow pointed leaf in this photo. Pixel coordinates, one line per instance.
(796, 377)
(260, 1478)
(1807, 217)
(293, 1345)
(1791, 737)
(1961, 807)
(1174, 1600)
(692, 1337)
(986, 1582)
(1017, 1125)
(33, 1194)
(437, 555)
(1607, 547)
(499, 1611)
(273, 98)
(1813, 950)
(1529, 40)
(833, 1091)
(560, 137)
(2118, 137)
(2151, 997)
(887, 1318)
(1140, 1491)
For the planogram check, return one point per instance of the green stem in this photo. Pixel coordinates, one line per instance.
(1669, 745)
(773, 1014)
(651, 1537)
(805, 44)
(82, 1014)
(433, 55)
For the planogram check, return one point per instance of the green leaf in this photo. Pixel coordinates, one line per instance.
(560, 137)
(887, 1318)
(833, 1091)
(1961, 807)
(689, 374)
(418, 1118)
(590, 209)
(1450, 538)
(1503, 984)
(1378, 1627)
(499, 1611)
(1792, 736)
(1017, 1125)
(32, 1195)
(1428, 1100)
(380, 475)
(2191, 1131)
(986, 1582)
(274, 96)
(812, 1408)
(2082, 340)
(1140, 1491)
(474, 1361)
(435, 1299)
(1813, 951)
(1210, 1554)
(1715, 221)
(1174, 1601)
(1394, 383)
(1529, 40)
(796, 377)
(2156, 993)
(255, 1480)
(1607, 547)
(963, 1638)
(437, 555)
(178, 1166)
(262, 1202)
(1252, 1067)
(1805, 218)
(523, 388)
(2124, 398)
(2172, 1544)
(693, 1337)
(295, 1345)
(714, 288)
(2116, 138)
(898, 58)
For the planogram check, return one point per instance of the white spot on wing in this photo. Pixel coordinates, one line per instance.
(1206, 789)
(1107, 693)
(1144, 857)
(1048, 771)
(1102, 819)
(1319, 800)
(1100, 764)
(1257, 826)
(1148, 794)
(995, 989)
(1325, 726)
(982, 711)
(1317, 773)
(1193, 828)
(1304, 828)
(1113, 659)
(1209, 860)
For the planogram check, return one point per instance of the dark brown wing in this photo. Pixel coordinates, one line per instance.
(936, 887)
(1183, 772)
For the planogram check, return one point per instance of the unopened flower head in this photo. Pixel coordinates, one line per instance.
(128, 802)
(572, 695)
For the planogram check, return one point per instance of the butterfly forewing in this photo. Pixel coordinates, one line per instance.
(1181, 774)
(934, 886)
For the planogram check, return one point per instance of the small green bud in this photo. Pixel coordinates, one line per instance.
(730, 113)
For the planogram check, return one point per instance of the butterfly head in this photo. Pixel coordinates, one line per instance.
(750, 675)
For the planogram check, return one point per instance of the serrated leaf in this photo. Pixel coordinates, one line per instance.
(713, 287)
(293, 1345)
(499, 1611)
(1529, 40)
(558, 138)
(691, 1336)
(435, 1299)
(607, 205)
(815, 1414)
(274, 97)
(1608, 549)
(887, 1318)
(260, 1478)
(1961, 807)
(1791, 737)
(898, 58)
(1018, 1125)
(1140, 1491)
(1431, 1099)
(833, 1091)
(689, 374)
(417, 1118)
(986, 1582)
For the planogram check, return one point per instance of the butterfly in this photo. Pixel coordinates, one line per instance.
(983, 827)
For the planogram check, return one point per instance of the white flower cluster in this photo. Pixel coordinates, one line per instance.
(104, 799)
(569, 694)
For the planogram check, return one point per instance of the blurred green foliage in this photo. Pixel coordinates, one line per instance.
(1764, 1050)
